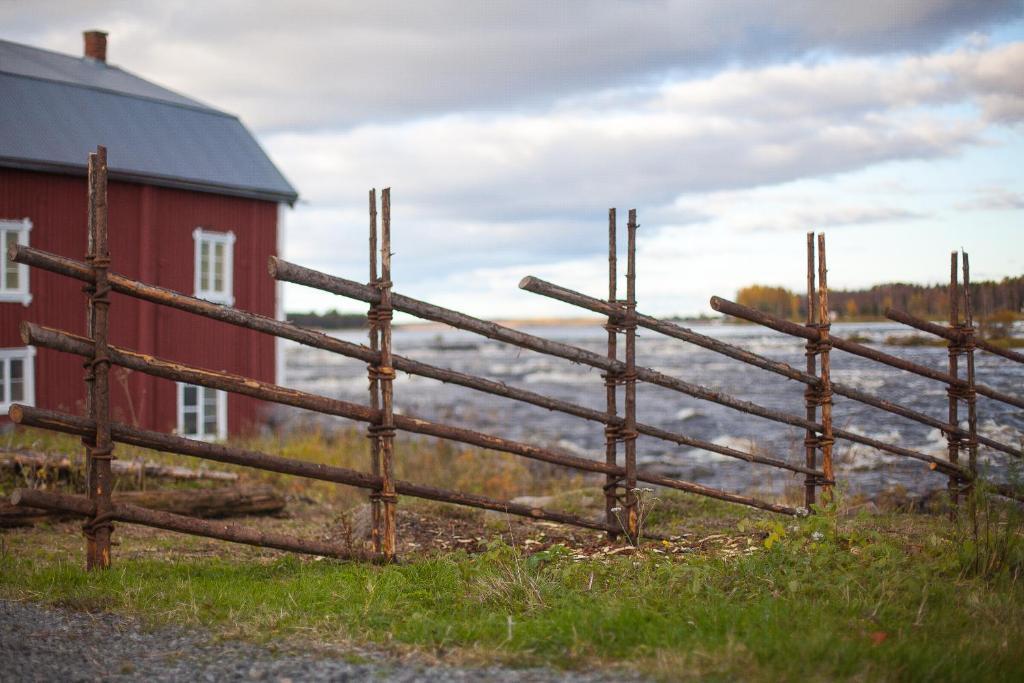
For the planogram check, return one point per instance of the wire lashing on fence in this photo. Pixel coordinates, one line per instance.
(817, 395)
(100, 449)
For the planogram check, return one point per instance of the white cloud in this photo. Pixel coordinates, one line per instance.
(489, 190)
(328, 64)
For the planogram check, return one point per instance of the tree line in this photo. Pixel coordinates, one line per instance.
(331, 320)
(988, 298)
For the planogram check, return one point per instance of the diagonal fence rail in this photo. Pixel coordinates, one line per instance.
(962, 341)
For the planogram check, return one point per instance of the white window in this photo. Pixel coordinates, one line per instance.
(202, 412)
(14, 276)
(17, 377)
(214, 266)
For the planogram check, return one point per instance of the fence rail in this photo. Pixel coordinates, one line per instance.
(962, 341)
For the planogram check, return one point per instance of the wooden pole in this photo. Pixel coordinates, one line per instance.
(99, 528)
(826, 439)
(629, 433)
(159, 519)
(810, 403)
(89, 289)
(972, 398)
(611, 381)
(386, 372)
(952, 439)
(375, 516)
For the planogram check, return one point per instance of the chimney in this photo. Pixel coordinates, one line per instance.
(96, 45)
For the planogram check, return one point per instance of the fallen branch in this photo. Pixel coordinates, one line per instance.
(18, 460)
(204, 503)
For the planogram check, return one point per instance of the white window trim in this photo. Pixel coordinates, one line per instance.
(28, 355)
(228, 239)
(222, 415)
(21, 295)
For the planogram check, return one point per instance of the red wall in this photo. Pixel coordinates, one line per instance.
(150, 240)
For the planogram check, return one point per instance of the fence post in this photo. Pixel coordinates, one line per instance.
(629, 432)
(386, 372)
(89, 288)
(371, 369)
(952, 392)
(100, 452)
(825, 345)
(810, 393)
(972, 398)
(611, 381)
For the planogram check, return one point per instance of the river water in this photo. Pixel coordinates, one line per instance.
(861, 469)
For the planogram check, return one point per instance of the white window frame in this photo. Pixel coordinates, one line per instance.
(22, 294)
(27, 354)
(201, 236)
(222, 415)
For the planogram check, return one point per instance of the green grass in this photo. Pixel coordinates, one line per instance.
(886, 597)
(872, 597)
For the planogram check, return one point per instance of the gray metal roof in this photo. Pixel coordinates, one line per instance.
(55, 109)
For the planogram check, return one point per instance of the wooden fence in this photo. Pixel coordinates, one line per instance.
(621, 518)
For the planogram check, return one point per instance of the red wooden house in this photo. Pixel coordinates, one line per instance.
(195, 205)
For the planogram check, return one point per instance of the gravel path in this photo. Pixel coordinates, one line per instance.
(46, 644)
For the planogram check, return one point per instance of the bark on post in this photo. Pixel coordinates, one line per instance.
(89, 288)
(611, 382)
(825, 439)
(386, 375)
(98, 528)
(972, 398)
(374, 439)
(952, 391)
(629, 432)
(810, 402)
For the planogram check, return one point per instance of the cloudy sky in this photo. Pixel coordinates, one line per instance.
(507, 129)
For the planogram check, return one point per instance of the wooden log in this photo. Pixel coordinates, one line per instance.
(236, 501)
(71, 424)
(188, 525)
(969, 344)
(386, 375)
(374, 388)
(100, 452)
(810, 405)
(825, 390)
(629, 432)
(786, 327)
(901, 316)
(953, 352)
(62, 464)
(612, 424)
